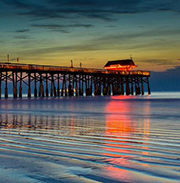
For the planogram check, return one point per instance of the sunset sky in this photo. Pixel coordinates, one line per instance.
(92, 32)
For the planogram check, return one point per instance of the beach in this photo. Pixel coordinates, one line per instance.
(91, 139)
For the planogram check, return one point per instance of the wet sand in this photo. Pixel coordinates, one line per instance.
(93, 139)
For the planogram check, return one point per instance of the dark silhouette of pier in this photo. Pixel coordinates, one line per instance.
(56, 81)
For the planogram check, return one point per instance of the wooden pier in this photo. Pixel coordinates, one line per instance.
(56, 81)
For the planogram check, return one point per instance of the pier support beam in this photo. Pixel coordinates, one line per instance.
(14, 83)
(86, 86)
(16, 80)
(104, 87)
(41, 87)
(127, 86)
(70, 88)
(0, 82)
(122, 87)
(132, 90)
(14, 76)
(58, 86)
(29, 85)
(54, 86)
(90, 85)
(87, 83)
(73, 85)
(63, 84)
(142, 87)
(20, 85)
(35, 85)
(47, 92)
(108, 86)
(80, 85)
(136, 86)
(65, 87)
(114, 88)
(6, 85)
(52, 80)
(148, 86)
(97, 86)
(76, 86)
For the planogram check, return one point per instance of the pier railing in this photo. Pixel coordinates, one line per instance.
(49, 68)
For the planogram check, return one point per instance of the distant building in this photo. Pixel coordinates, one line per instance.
(122, 65)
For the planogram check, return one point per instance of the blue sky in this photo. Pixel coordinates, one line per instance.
(91, 32)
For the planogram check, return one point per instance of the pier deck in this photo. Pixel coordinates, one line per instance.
(45, 80)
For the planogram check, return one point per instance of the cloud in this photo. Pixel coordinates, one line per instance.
(119, 41)
(73, 48)
(22, 30)
(161, 62)
(16, 3)
(61, 28)
(131, 35)
(22, 37)
(134, 40)
(101, 9)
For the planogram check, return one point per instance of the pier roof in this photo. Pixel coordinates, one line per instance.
(126, 62)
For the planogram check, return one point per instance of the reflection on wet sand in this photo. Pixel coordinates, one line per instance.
(105, 141)
(58, 124)
(120, 125)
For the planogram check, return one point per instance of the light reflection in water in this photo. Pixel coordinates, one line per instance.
(58, 124)
(118, 123)
(122, 125)
(70, 116)
(111, 133)
(117, 138)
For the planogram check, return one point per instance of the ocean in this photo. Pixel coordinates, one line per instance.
(91, 139)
